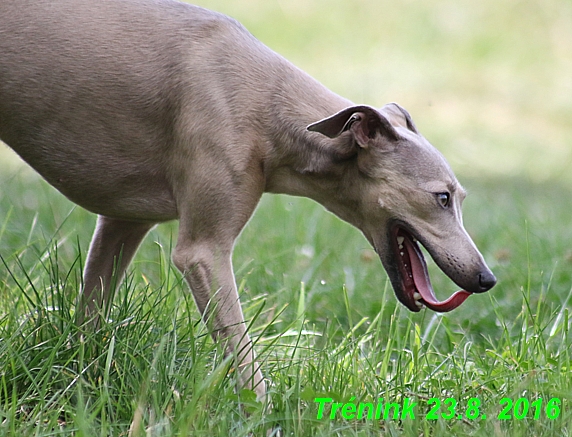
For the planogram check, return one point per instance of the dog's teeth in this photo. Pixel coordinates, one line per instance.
(419, 304)
(401, 253)
(400, 241)
(416, 296)
(401, 247)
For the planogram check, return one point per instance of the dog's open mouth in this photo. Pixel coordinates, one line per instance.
(415, 282)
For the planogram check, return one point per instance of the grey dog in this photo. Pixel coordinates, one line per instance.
(144, 111)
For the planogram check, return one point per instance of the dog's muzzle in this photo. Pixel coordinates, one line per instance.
(411, 281)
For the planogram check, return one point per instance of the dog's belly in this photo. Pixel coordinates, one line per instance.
(118, 186)
(138, 197)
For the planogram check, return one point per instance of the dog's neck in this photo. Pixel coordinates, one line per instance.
(304, 163)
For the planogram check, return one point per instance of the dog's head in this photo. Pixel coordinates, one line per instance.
(407, 195)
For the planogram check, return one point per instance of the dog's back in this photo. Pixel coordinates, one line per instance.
(96, 91)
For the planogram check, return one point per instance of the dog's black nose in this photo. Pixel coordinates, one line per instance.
(487, 280)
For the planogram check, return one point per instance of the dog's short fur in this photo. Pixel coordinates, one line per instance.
(144, 111)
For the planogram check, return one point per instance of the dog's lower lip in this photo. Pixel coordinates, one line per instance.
(415, 278)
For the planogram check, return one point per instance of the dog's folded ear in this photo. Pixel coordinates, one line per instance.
(364, 122)
(399, 116)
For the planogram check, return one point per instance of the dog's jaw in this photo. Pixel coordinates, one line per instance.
(412, 284)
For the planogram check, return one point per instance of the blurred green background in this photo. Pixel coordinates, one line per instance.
(489, 82)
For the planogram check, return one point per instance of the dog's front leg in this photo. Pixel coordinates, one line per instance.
(112, 247)
(209, 224)
(208, 270)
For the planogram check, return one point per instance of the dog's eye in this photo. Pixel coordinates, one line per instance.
(444, 199)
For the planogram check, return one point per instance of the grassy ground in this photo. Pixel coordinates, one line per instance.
(488, 83)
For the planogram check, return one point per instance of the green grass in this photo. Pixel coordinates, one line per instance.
(485, 83)
(341, 335)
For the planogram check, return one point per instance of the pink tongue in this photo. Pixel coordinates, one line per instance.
(424, 287)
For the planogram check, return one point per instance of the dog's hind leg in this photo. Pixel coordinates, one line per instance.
(112, 247)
